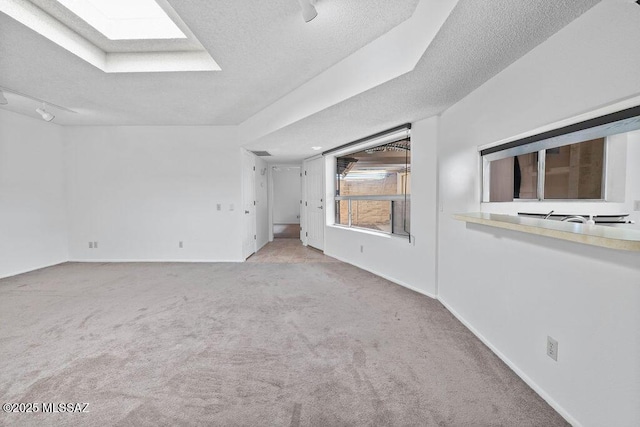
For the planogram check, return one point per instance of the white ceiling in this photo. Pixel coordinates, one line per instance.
(479, 39)
(266, 51)
(264, 48)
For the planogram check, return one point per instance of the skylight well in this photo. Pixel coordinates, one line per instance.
(126, 19)
(116, 36)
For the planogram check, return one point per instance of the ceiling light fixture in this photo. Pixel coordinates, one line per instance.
(46, 116)
(33, 98)
(308, 11)
(3, 100)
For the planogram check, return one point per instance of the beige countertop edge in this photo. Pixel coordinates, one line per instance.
(537, 228)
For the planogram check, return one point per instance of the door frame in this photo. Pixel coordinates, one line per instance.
(270, 194)
(248, 168)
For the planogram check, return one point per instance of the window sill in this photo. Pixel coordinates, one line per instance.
(595, 235)
(547, 201)
(370, 232)
(591, 207)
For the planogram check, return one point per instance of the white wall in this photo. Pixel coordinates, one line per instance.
(514, 289)
(409, 264)
(633, 177)
(262, 203)
(33, 228)
(138, 191)
(287, 193)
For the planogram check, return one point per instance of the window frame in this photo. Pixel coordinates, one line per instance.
(605, 126)
(390, 198)
(383, 138)
(541, 170)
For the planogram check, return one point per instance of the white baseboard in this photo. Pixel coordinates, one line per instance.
(155, 260)
(384, 276)
(17, 273)
(539, 390)
(262, 246)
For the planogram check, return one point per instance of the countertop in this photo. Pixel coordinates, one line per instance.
(596, 235)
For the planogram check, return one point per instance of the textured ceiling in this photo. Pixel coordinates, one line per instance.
(266, 51)
(479, 39)
(264, 48)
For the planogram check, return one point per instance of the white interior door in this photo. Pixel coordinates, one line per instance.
(315, 216)
(248, 204)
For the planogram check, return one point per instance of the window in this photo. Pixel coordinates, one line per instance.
(373, 188)
(573, 171)
(569, 163)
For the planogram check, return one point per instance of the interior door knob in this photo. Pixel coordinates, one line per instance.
(246, 212)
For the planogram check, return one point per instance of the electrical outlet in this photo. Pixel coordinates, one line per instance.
(218, 207)
(636, 205)
(361, 248)
(552, 348)
(231, 207)
(95, 245)
(90, 245)
(180, 244)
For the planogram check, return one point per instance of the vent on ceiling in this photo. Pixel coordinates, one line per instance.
(261, 153)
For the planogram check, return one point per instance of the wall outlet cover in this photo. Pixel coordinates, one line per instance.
(636, 205)
(552, 348)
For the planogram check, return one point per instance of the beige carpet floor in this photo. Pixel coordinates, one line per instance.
(251, 344)
(286, 231)
(289, 251)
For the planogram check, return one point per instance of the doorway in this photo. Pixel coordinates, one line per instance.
(287, 191)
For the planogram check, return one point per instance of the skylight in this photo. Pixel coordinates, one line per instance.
(126, 19)
(65, 28)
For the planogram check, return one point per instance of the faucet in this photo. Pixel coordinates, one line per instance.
(574, 218)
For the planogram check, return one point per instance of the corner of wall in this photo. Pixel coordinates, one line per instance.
(33, 222)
